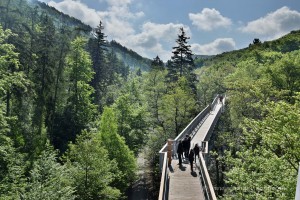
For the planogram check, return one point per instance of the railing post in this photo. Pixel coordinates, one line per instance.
(297, 196)
(169, 152)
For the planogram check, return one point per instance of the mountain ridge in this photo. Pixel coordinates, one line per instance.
(127, 56)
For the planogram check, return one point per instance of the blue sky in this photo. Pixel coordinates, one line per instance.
(150, 27)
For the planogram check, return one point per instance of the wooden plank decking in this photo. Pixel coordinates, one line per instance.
(184, 184)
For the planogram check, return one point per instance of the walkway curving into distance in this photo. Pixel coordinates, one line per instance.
(184, 184)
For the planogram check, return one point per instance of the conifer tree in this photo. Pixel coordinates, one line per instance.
(12, 167)
(97, 49)
(157, 64)
(59, 95)
(182, 62)
(49, 179)
(43, 76)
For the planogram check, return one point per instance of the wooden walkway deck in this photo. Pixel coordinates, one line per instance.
(184, 184)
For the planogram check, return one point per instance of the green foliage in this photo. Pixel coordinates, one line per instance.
(10, 76)
(117, 149)
(155, 88)
(49, 179)
(131, 114)
(182, 62)
(98, 52)
(131, 121)
(211, 82)
(177, 109)
(285, 73)
(12, 168)
(91, 168)
(260, 134)
(157, 64)
(266, 164)
(79, 111)
(80, 74)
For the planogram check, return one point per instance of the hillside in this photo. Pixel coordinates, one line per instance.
(287, 43)
(256, 141)
(61, 18)
(130, 57)
(127, 56)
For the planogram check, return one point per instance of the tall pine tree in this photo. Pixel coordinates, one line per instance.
(182, 62)
(97, 49)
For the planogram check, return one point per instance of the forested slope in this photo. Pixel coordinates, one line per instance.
(256, 148)
(73, 115)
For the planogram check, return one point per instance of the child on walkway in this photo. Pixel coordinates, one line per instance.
(191, 159)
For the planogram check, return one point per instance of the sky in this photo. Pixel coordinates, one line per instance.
(151, 27)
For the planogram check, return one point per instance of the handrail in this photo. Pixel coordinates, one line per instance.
(297, 195)
(208, 187)
(164, 179)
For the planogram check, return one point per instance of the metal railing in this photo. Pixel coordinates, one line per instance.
(209, 191)
(297, 195)
(163, 192)
(208, 188)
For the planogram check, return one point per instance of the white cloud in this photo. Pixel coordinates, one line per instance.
(274, 24)
(218, 46)
(115, 18)
(151, 40)
(209, 19)
(119, 2)
(78, 10)
(154, 39)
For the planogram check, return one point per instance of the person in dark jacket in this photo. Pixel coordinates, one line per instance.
(196, 151)
(188, 144)
(180, 152)
(185, 144)
(221, 99)
(191, 159)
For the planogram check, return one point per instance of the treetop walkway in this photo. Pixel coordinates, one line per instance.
(179, 182)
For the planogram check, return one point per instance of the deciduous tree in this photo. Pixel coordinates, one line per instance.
(117, 149)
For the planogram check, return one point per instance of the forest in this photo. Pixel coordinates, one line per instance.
(77, 110)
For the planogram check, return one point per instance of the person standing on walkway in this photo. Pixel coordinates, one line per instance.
(221, 99)
(191, 159)
(189, 140)
(185, 147)
(196, 151)
(180, 152)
